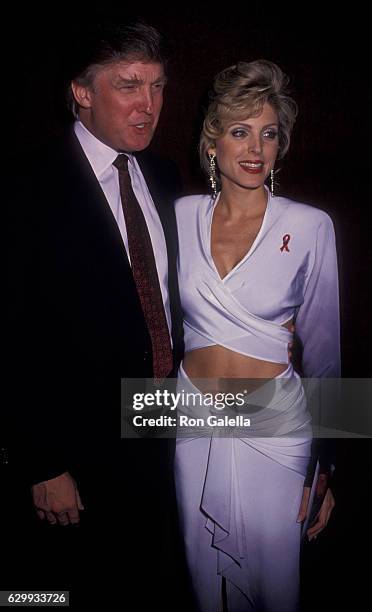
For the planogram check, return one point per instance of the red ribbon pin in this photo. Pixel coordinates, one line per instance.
(286, 239)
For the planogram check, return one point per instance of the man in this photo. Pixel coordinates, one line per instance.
(90, 209)
(117, 103)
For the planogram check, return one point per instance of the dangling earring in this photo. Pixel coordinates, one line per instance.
(272, 183)
(212, 172)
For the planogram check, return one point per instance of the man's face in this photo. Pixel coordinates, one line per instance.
(122, 108)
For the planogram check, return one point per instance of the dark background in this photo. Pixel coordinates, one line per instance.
(325, 51)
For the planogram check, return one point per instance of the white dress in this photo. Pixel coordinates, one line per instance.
(238, 496)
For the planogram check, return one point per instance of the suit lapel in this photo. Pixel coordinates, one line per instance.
(90, 201)
(153, 183)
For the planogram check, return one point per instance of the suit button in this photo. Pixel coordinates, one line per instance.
(145, 355)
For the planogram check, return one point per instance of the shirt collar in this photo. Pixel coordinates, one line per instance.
(100, 155)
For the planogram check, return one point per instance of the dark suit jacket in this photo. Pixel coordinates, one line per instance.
(76, 324)
(74, 328)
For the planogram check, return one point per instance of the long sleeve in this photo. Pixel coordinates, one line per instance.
(318, 323)
(318, 328)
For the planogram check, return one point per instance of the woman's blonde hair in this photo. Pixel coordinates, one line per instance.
(239, 92)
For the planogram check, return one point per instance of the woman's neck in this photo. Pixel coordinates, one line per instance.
(237, 203)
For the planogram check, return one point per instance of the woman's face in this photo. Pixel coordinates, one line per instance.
(247, 151)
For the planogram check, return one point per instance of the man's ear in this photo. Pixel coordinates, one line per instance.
(82, 94)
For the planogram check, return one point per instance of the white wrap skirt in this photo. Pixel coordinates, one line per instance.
(238, 500)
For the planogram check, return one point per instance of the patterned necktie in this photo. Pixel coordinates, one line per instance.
(145, 273)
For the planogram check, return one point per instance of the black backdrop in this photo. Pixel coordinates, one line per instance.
(324, 50)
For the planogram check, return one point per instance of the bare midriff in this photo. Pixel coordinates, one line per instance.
(216, 368)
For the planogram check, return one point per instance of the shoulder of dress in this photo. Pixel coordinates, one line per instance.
(304, 213)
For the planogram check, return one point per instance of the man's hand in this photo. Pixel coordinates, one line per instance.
(324, 500)
(58, 500)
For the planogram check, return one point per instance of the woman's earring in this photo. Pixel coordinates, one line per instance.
(212, 172)
(272, 183)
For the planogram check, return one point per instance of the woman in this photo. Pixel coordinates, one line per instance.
(250, 266)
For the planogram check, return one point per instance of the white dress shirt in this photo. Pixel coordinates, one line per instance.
(101, 158)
